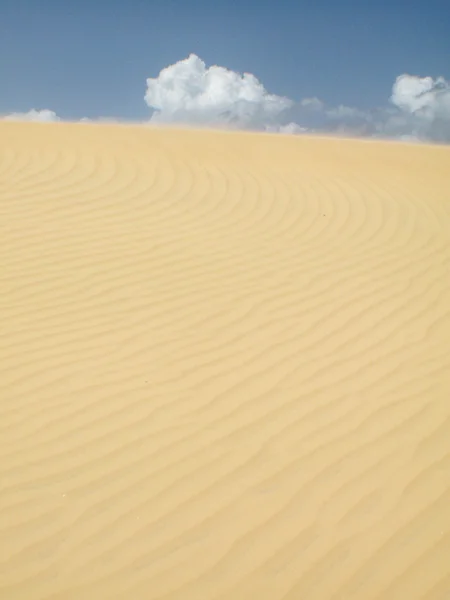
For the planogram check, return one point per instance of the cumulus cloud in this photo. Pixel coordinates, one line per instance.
(419, 110)
(190, 92)
(43, 116)
(421, 94)
(424, 107)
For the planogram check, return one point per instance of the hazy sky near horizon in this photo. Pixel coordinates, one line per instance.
(90, 58)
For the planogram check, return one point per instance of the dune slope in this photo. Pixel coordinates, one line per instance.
(225, 366)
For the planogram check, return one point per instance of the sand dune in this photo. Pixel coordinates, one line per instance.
(225, 366)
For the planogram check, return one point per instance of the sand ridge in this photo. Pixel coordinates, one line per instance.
(225, 366)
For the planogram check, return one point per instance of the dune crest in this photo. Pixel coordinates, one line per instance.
(225, 366)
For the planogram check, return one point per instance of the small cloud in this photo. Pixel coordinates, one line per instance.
(312, 103)
(105, 120)
(42, 116)
(290, 128)
(346, 112)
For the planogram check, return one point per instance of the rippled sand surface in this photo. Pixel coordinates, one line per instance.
(225, 366)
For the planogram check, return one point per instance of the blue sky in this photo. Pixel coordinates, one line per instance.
(92, 57)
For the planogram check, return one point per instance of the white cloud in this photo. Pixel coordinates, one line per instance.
(105, 120)
(424, 107)
(43, 116)
(420, 110)
(312, 103)
(421, 94)
(291, 128)
(189, 92)
(346, 112)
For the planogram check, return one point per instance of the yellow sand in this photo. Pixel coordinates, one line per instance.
(225, 366)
